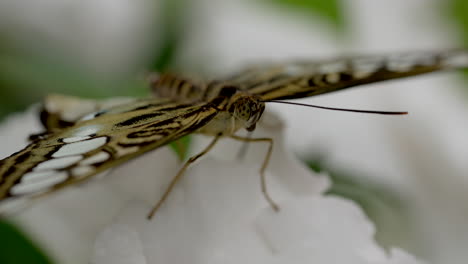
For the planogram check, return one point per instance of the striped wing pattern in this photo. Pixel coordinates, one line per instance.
(61, 111)
(298, 79)
(92, 146)
(78, 146)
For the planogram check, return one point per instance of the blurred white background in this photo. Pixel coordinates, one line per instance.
(419, 158)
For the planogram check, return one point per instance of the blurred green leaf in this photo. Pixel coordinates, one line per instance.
(458, 10)
(458, 13)
(181, 146)
(329, 9)
(26, 79)
(16, 248)
(173, 25)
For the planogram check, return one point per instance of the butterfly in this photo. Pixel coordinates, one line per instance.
(83, 138)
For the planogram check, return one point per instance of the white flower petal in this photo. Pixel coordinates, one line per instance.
(316, 228)
(215, 214)
(118, 244)
(290, 173)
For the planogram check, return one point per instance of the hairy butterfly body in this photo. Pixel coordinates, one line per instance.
(99, 135)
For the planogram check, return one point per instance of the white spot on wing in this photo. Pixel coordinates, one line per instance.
(362, 74)
(363, 67)
(400, 63)
(457, 59)
(332, 67)
(59, 163)
(42, 185)
(125, 151)
(37, 176)
(332, 77)
(96, 158)
(75, 139)
(89, 116)
(81, 171)
(87, 130)
(80, 147)
(293, 70)
(92, 115)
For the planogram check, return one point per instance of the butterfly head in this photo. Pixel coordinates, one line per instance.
(247, 109)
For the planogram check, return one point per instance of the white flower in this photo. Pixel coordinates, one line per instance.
(215, 214)
(423, 155)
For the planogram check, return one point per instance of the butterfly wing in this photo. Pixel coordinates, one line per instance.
(59, 111)
(307, 78)
(91, 146)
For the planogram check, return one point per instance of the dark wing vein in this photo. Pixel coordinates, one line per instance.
(308, 78)
(122, 142)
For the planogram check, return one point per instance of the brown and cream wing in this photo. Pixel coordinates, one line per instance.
(60, 111)
(91, 146)
(300, 79)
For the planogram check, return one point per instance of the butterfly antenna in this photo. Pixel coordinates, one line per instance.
(341, 109)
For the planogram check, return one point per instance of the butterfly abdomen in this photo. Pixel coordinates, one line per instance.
(176, 88)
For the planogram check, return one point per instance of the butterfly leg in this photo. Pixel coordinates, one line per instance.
(264, 166)
(180, 173)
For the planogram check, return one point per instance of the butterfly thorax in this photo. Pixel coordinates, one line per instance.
(237, 109)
